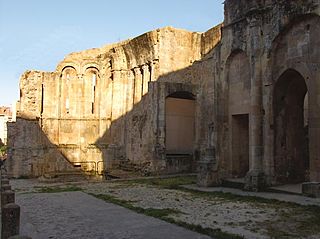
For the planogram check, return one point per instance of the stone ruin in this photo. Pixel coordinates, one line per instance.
(241, 100)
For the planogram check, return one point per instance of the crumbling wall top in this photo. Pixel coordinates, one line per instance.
(238, 10)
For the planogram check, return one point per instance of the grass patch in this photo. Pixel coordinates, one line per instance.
(292, 221)
(23, 177)
(164, 214)
(167, 183)
(59, 189)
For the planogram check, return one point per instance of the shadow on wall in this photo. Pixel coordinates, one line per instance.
(30, 152)
(138, 138)
(135, 138)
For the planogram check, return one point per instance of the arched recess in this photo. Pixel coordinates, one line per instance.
(68, 75)
(239, 85)
(297, 49)
(291, 132)
(92, 95)
(180, 123)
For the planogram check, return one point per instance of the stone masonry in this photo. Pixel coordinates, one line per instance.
(238, 101)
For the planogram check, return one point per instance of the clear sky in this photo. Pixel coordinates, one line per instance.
(37, 34)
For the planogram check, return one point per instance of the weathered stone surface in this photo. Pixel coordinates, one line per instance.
(19, 237)
(107, 103)
(250, 82)
(5, 188)
(4, 181)
(10, 218)
(311, 189)
(7, 197)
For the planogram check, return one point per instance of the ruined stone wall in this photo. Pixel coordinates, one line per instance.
(102, 105)
(272, 37)
(108, 104)
(30, 153)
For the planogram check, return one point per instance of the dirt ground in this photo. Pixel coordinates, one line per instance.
(217, 214)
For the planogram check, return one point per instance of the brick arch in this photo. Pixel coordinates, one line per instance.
(68, 69)
(91, 65)
(64, 65)
(295, 47)
(92, 69)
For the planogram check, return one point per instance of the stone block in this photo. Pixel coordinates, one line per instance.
(19, 237)
(255, 181)
(207, 174)
(5, 188)
(7, 197)
(311, 189)
(10, 219)
(4, 182)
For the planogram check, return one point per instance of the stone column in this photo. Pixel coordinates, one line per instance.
(146, 79)
(314, 128)
(130, 92)
(255, 176)
(117, 99)
(137, 85)
(153, 70)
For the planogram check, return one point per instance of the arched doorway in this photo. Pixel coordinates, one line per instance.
(291, 128)
(180, 123)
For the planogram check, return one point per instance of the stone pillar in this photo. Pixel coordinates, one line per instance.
(130, 92)
(154, 69)
(4, 182)
(10, 219)
(117, 96)
(146, 78)
(255, 176)
(314, 128)
(7, 197)
(5, 188)
(208, 170)
(137, 85)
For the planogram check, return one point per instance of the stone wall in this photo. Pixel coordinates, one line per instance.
(272, 37)
(104, 105)
(254, 81)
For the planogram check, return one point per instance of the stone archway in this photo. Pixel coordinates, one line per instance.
(291, 131)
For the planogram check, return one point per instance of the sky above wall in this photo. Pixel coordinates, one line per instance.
(37, 34)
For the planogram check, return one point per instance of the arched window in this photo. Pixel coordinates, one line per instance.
(92, 78)
(69, 74)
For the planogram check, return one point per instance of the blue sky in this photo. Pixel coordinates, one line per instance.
(37, 34)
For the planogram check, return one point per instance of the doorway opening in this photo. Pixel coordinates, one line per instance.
(291, 128)
(240, 145)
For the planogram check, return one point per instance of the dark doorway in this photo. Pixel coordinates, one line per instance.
(291, 128)
(240, 145)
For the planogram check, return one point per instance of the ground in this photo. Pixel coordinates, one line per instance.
(47, 207)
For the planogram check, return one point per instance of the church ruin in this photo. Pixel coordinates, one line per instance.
(241, 100)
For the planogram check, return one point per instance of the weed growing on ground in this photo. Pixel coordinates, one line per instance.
(58, 189)
(164, 214)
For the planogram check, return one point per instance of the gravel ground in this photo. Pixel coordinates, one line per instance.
(250, 219)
